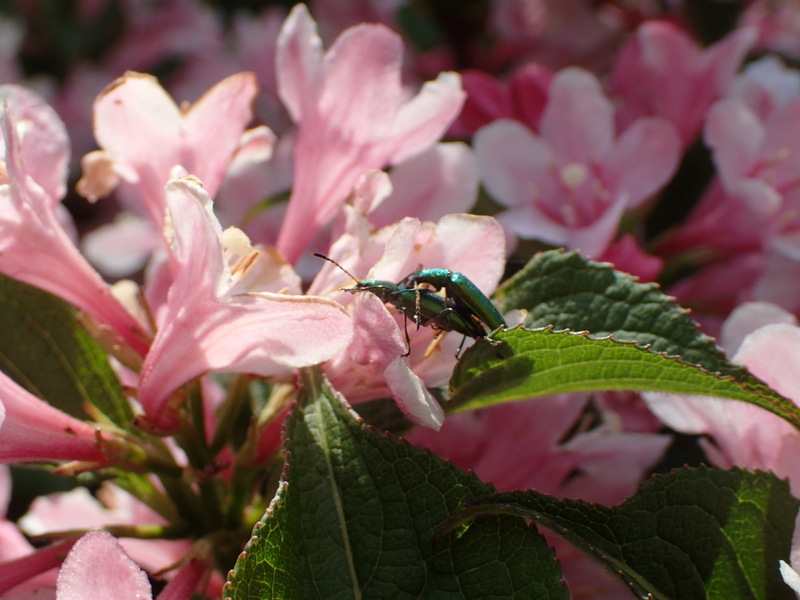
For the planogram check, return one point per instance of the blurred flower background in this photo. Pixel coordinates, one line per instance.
(196, 153)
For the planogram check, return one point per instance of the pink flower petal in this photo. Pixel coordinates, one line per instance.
(662, 72)
(487, 100)
(749, 317)
(43, 141)
(511, 158)
(441, 180)
(529, 87)
(770, 353)
(213, 128)
(205, 328)
(32, 571)
(137, 122)
(13, 544)
(32, 430)
(142, 127)
(299, 56)
(744, 434)
(627, 256)
(80, 509)
(121, 247)
(579, 120)
(185, 581)
(412, 396)
(352, 116)
(35, 248)
(735, 135)
(97, 567)
(642, 160)
(423, 120)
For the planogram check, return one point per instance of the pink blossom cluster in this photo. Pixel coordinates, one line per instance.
(576, 124)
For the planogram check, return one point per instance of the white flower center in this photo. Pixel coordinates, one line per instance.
(573, 175)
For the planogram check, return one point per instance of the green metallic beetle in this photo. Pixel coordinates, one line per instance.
(464, 295)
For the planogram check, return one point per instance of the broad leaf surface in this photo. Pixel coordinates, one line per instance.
(564, 290)
(357, 514)
(694, 534)
(524, 364)
(46, 351)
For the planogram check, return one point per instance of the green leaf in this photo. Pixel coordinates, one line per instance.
(567, 291)
(357, 514)
(45, 350)
(524, 364)
(692, 534)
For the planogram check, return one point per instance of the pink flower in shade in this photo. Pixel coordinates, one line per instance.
(571, 184)
(79, 509)
(143, 134)
(523, 99)
(97, 567)
(210, 323)
(743, 434)
(557, 33)
(442, 180)
(716, 289)
(718, 228)
(373, 365)
(778, 25)
(766, 84)
(539, 449)
(662, 72)
(533, 453)
(32, 430)
(626, 255)
(758, 159)
(353, 115)
(21, 568)
(34, 247)
(34, 574)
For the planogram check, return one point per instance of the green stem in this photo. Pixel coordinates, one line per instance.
(238, 394)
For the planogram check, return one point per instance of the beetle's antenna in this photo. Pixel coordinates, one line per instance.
(330, 260)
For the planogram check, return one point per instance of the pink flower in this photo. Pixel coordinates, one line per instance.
(766, 84)
(34, 572)
(79, 509)
(523, 99)
(538, 444)
(778, 25)
(571, 184)
(21, 568)
(144, 134)
(211, 323)
(34, 247)
(353, 116)
(97, 567)
(373, 365)
(441, 180)
(661, 71)
(626, 255)
(557, 33)
(758, 160)
(743, 434)
(32, 430)
(533, 453)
